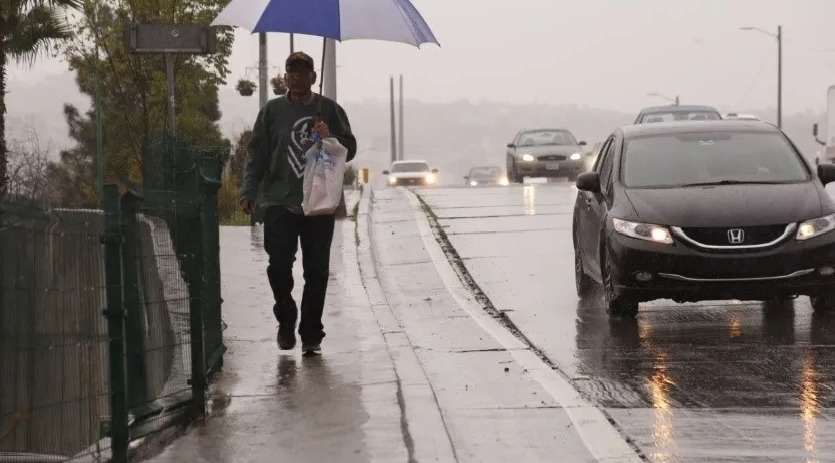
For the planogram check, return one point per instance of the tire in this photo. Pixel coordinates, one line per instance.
(582, 282)
(616, 305)
(823, 303)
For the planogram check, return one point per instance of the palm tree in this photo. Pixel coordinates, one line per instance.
(27, 28)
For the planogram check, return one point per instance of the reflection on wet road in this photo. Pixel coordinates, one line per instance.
(727, 381)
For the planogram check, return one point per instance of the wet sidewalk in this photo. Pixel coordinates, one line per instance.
(270, 405)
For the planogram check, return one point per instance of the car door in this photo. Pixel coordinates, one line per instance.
(596, 206)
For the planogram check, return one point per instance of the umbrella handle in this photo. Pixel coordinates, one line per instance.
(322, 78)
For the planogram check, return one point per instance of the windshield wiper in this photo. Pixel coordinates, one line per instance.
(733, 182)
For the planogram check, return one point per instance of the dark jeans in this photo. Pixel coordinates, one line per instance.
(282, 232)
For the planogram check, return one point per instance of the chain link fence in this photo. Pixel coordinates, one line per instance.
(110, 320)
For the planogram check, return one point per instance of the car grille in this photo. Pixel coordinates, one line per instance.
(552, 157)
(730, 236)
(410, 181)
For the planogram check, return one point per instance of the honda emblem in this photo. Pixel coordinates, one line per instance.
(736, 235)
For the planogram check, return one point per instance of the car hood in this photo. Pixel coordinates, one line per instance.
(547, 149)
(727, 205)
(410, 174)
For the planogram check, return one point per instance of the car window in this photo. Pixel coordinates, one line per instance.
(600, 156)
(670, 160)
(485, 171)
(410, 167)
(674, 116)
(606, 167)
(545, 137)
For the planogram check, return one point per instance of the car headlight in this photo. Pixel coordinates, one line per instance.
(576, 157)
(473, 183)
(504, 181)
(643, 231)
(815, 227)
(430, 178)
(392, 180)
(527, 158)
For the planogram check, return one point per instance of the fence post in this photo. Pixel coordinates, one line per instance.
(115, 313)
(135, 320)
(213, 322)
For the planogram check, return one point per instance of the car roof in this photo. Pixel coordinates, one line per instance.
(677, 109)
(540, 129)
(410, 161)
(732, 125)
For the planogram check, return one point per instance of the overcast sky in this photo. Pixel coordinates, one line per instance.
(601, 53)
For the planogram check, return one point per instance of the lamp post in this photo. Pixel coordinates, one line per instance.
(674, 101)
(779, 37)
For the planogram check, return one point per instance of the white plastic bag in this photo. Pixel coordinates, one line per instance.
(324, 174)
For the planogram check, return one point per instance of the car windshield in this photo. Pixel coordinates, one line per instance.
(485, 172)
(546, 137)
(410, 167)
(673, 116)
(710, 158)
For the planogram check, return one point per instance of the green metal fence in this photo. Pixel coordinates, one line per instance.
(110, 321)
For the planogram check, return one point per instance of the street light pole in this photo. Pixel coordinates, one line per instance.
(779, 37)
(674, 101)
(779, 77)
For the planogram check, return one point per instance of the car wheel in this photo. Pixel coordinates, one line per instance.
(583, 283)
(824, 302)
(616, 305)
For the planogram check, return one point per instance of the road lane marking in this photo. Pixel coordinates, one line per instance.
(601, 438)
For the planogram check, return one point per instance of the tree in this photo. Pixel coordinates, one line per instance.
(28, 168)
(134, 102)
(27, 28)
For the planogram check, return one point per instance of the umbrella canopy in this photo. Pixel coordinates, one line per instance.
(385, 20)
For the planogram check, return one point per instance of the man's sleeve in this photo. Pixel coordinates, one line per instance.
(340, 129)
(257, 157)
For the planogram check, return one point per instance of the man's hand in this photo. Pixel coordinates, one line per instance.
(247, 205)
(322, 129)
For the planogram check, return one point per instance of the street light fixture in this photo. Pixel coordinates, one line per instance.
(779, 37)
(675, 101)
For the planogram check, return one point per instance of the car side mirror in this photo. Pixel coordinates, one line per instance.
(826, 173)
(590, 181)
(582, 143)
(434, 171)
(815, 130)
(511, 145)
(385, 172)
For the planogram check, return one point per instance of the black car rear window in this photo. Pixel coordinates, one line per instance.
(675, 116)
(670, 160)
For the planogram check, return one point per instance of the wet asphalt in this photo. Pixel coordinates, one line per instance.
(726, 381)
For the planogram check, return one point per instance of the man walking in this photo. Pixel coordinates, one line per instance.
(284, 130)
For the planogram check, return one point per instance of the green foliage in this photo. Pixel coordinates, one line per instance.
(134, 102)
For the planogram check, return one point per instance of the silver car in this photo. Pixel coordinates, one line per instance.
(545, 153)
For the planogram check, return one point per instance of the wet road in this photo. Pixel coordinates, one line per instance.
(709, 382)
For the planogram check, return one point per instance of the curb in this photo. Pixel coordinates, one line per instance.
(424, 431)
(598, 431)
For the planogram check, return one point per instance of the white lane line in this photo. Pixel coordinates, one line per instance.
(602, 440)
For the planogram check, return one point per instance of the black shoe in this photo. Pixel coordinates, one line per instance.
(286, 338)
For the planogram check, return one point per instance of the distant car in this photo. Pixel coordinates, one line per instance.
(544, 153)
(741, 117)
(674, 113)
(411, 173)
(667, 214)
(486, 175)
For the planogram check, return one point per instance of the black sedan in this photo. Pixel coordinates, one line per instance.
(694, 211)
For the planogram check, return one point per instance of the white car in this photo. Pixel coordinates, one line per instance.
(411, 173)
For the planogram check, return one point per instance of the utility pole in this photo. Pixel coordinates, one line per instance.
(393, 129)
(779, 77)
(262, 69)
(329, 74)
(677, 100)
(400, 150)
(99, 123)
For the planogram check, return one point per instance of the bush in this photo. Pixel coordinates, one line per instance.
(350, 175)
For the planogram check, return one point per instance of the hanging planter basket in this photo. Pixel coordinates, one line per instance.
(279, 87)
(246, 87)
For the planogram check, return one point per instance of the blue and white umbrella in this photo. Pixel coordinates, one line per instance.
(385, 20)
